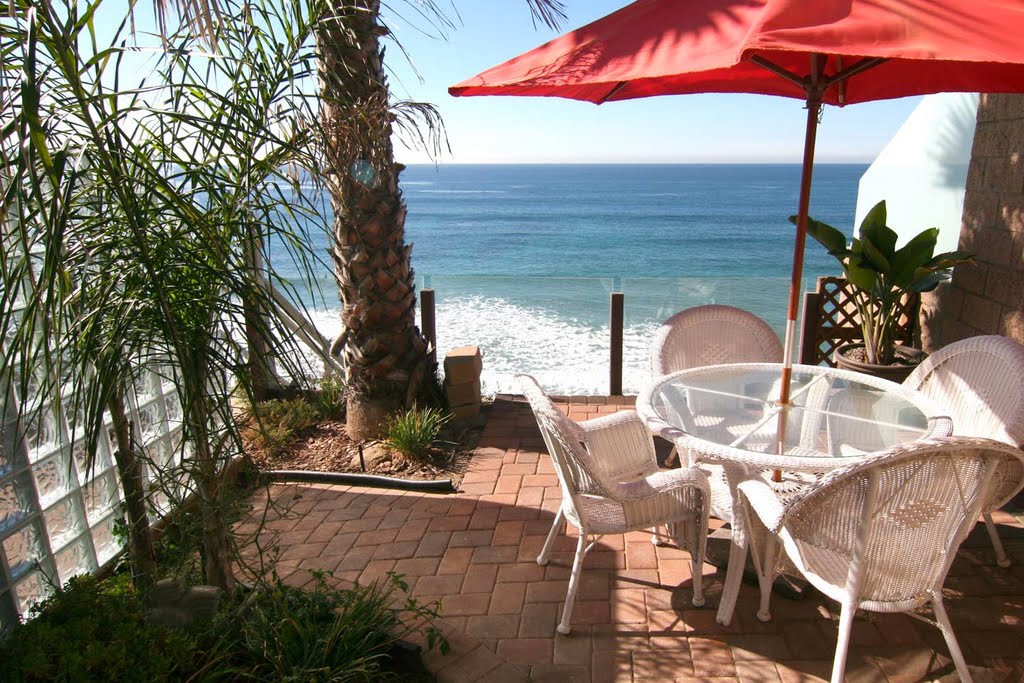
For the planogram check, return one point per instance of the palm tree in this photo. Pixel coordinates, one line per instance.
(384, 351)
(128, 215)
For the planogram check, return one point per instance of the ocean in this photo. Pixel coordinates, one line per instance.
(523, 258)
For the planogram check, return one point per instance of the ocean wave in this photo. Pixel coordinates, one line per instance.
(565, 355)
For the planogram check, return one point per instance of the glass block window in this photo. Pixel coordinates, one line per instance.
(58, 512)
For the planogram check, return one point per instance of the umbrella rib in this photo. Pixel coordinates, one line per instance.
(778, 70)
(854, 69)
(613, 92)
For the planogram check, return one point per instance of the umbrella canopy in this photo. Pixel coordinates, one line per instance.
(821, 51)
(671, 47)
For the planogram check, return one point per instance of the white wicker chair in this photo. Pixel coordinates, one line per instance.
(611, 484)
(710, 335)
(980, 380)
(881, 534)
(713, 334)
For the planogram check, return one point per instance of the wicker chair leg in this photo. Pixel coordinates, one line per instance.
(733, 578)
(542, 559)
(697, 564)
(574, 584)
(947, 632)
(997, 543)
(766, 576)
(843, 641)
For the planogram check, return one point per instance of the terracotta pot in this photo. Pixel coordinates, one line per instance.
(894, 373)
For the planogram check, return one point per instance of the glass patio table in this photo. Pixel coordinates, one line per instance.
(729, 416)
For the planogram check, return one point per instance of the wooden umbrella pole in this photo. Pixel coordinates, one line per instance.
(810, 136)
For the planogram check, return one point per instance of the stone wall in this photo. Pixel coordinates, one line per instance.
(987, 297)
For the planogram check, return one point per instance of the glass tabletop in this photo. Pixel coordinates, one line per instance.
(832, 413)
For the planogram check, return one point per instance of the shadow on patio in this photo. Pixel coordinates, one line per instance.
(475, 553)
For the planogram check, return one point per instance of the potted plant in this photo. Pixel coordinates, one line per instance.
(881, 276)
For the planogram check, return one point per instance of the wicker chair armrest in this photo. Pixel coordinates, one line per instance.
(623, 419)
(764, 502)
(661, 482)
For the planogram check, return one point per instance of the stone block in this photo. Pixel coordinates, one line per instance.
(970, 277)
(1012, 325)
(982, 211)
(996, 248)
(981, 314)
(463, 393)
(463, 364)
(1011, 214)
(466, 413)
(1005, 287)
(1000, 107)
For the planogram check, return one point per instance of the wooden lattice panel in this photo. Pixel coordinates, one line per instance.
(831, 320)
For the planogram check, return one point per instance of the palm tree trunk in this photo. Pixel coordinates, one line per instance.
(385, 352)
(129, 468)
(217, 569)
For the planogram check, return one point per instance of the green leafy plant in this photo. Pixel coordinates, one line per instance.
(94, 630)
(883, 274)
(322, 634)
(329, 398)
(415, 433)
(275, 423)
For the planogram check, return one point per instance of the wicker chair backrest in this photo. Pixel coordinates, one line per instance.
(713, 334)
(904, 513)
(980, 380)
(565, 442)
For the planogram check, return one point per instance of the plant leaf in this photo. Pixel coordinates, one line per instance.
(876, 216)
(913, 255)
(928, 281)
(873, 257)
(949, 259)
(862, 277)
(826, 235)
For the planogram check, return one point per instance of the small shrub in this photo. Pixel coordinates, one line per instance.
(93, 630)
(329, 399)
(274, 424)
(320, 634)
(415, 433)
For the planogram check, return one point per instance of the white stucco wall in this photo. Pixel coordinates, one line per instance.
(922, 172)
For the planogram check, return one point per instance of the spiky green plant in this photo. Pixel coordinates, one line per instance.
(320, 634)
(415, 433)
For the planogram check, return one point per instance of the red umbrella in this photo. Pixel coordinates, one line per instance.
(821, 51)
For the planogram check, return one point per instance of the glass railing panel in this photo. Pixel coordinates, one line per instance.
(650, 301)
(553, 328)
(557, 329)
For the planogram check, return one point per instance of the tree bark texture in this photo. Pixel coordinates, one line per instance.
(129, 468)
(385, 353)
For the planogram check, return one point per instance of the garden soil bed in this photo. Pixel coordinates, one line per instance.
(326, 447)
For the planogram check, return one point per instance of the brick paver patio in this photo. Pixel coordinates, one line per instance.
(474, 552)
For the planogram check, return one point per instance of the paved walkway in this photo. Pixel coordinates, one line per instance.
(474, 552)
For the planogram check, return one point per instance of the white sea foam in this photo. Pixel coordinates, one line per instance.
(566, 356)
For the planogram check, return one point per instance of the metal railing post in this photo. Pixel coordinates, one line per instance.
(427, 321)
(615, 379)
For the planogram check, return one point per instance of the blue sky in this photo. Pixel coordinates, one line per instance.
(688, 128)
